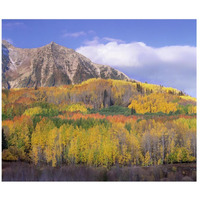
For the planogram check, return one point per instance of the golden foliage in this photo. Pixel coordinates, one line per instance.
(146, 142)
(76, 107)
(153, 103)
(33, 111)
(192, 109)
(70, 135)
(188, 98)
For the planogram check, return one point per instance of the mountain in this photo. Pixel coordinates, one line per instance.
(50, 65)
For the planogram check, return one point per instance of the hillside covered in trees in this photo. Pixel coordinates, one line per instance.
(99, 123)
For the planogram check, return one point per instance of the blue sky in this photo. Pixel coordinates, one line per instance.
(156, 33)
(157, 51)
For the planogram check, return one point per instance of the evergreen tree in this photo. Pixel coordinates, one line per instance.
(133, 111)
(4, 141)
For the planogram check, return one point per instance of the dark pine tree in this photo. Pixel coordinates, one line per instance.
(133, 111)
(4, 141)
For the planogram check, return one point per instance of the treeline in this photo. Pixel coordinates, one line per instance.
(100, 142)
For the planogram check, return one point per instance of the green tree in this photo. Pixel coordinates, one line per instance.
(4, 141)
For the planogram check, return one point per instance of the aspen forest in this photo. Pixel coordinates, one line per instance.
(101, 124)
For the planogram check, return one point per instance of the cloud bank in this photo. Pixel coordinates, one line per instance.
(172, 66)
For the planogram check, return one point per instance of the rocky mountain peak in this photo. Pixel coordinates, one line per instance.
(6, 43)
(51, 44)
(50, 65)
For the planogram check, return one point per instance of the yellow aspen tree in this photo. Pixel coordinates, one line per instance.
(147, 159)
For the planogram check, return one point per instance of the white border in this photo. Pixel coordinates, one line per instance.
(104, 9)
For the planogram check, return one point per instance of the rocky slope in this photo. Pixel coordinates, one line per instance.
(50, 65)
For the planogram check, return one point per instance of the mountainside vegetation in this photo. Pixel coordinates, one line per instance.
(99, 123)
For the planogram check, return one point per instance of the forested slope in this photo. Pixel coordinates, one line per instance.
(100, 123)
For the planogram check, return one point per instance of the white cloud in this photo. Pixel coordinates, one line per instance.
(112, 40)
(75, 34)
(91, 32)
(96, 40)
(173, 66)
(12, 24)
(93, 42)
(78, 34)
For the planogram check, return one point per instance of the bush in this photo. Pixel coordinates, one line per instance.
(8, 156)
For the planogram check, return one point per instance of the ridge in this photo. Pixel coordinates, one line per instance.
(51, 65)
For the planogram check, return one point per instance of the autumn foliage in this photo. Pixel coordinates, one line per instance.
(130, 142)
(63, 125)
(154, 103)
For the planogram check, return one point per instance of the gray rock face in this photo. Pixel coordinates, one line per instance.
(50, 65)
